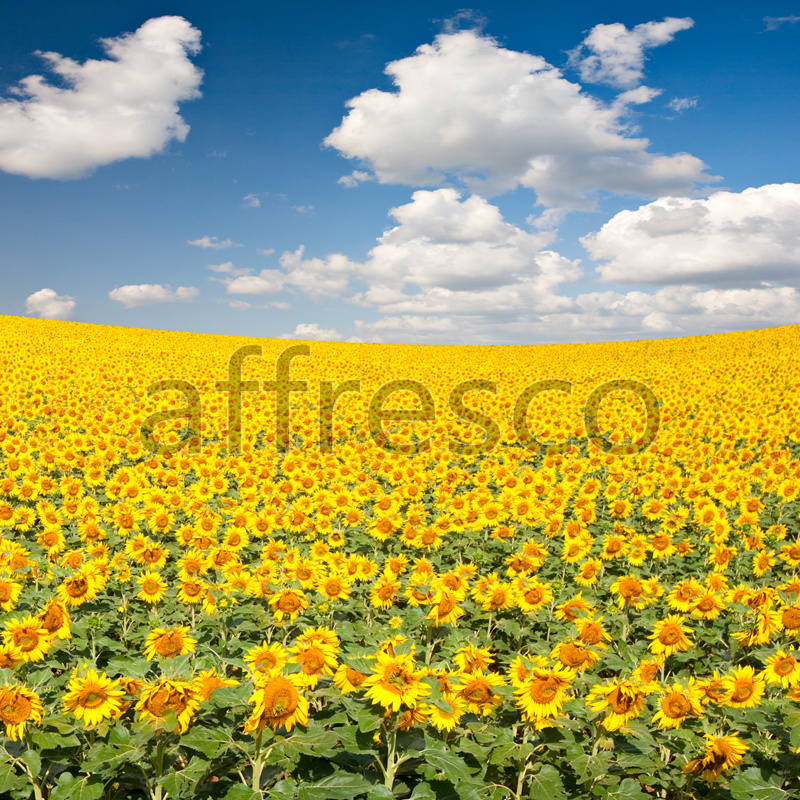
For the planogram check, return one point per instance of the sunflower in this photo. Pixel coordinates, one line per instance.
(677, 704)
(782, 668)
(288, 603)
(278, 703)
(154, 587)
(169, 643)
(192, 590)
(315, 659)
(477, 690)
(9, 593)
(623, 700)
(568, 610)
(574, 655)
(445, 607)
(55, 619)
(447, 713)
(394, 682)
(669, 636)
(531, 594)
(78, 589)
(722, 753)
(208, 681)
(348, 680)
(543, 692)
(334, 587)
(10, 657)
(93, 698)
(28, 638)
(707, 606)
(182, 697)
(591, 632)
(384, 591)
(267, 659)
(471, 659)
(743, 688)
(17, 706)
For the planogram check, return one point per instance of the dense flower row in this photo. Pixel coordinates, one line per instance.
(620, 596)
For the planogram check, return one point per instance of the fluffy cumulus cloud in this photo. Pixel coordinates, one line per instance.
(47, 304)
(613, 55)
(312, 330)
(494, 118)
(148, 294)
(102, 111)
(728, 239)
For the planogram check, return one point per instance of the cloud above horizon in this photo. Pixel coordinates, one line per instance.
(120, 107)
(469, 110)
(47, 304)
(730, 238)
(148, 294)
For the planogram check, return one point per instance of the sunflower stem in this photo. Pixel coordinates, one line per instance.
(391, 747)
(258, 764)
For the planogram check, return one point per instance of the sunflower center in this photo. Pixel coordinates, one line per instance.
(621, 702)
(92, 698)
(16, 709)
(785, 666)
(676, 706)
(742, 692)
(280, 698)
(313, 661)
(77, 587)
(478, 693)
(669, 635)
(543, 690)
(572, 655)
(26, 641)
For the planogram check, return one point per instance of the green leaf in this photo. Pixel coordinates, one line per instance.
(9, 779)
(69, 787)
(184, 781)
(452, 765)
(45, 740)
(339, 786)
(629, 789)
(34, 762)
(211, 742)
(241, 792)
(423, 791)
(754, 784)
(380, 793)
(547, 785)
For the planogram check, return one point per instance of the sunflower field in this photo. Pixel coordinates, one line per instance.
(270, 595)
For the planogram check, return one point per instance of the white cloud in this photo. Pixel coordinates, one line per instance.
(303, 209)
(354, 178)
(115, 108)
(228, 269)
(682, 103)
(496, 119)
(266, 251)
(267, 282)
(148, 294)
(616, 54)
(49, 305)
(773, 23)
(312, 330)
(243, 305)
(213, 242)
(730, 238)
(251, 201)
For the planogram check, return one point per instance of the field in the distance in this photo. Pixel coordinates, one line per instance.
(328, 614)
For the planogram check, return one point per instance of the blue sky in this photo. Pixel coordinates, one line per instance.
(618, 172)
